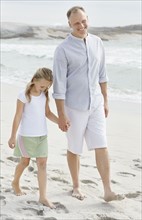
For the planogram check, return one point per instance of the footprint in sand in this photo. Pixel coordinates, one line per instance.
(60, 207)
(138, 166)
(137, 160)
(125, 174)
(9, 218)
(138, 163)
(50, 218)
(8, 190)
(58, 171)
(34, 210)
(88, 182)
(28, 181)
(35, 188)
(14, 159)
(39, 209)
(32, 202)
(133, 195)
(84, 165)
(59, 179)
(30, 168)
(35, 207)
(2, 200)
(105, 217)
(25, 187)
(114, 182)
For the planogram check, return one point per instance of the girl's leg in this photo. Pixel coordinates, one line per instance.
(42, 181)
(24, 162)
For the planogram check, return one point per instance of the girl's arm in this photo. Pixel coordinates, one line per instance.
(50, 115)
(16, 122)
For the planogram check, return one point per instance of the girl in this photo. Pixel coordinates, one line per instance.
(30, 118)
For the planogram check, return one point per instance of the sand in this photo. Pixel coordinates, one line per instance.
(124, 141)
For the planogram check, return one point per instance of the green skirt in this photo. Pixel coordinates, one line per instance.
(31, 146)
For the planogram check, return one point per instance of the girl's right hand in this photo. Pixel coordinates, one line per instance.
(11, 143)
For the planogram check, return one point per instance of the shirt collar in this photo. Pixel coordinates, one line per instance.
(77, 38)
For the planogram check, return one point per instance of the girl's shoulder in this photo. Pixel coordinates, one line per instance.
(22, 96)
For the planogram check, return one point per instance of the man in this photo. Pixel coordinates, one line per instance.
(80, 92)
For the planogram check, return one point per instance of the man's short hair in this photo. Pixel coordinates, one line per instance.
(74, 10)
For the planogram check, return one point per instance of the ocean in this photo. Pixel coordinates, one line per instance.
(21, 57)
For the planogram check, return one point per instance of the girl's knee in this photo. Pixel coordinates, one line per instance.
(41, 163)
(25, 161)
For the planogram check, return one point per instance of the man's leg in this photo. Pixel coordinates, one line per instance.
(74, 167)
(103, 165)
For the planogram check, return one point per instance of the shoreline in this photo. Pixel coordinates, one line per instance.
(119, 96)
(124, 140)
(14, 30)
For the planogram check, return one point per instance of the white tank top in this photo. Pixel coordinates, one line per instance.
(33, 122)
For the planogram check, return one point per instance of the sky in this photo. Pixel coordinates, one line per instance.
(100, 13)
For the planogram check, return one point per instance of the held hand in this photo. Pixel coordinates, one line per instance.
(64, 123)
(11, 143)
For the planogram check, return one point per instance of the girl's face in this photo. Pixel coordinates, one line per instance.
(79, 23)
(41, 85)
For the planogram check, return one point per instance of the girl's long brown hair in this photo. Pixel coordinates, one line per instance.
(42, 73)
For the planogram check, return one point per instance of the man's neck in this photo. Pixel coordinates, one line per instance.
(81, 37)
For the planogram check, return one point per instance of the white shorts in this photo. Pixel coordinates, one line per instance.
(89, 125)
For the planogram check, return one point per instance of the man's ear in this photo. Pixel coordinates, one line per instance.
(69, 24)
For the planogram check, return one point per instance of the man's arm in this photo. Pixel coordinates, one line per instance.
(104, 92)
(63, 120)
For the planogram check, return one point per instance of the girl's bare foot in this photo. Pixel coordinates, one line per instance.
(47, 203)
(77, 194)
(17, 189)
(112, 196)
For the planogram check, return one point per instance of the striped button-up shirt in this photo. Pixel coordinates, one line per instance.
(78, 70)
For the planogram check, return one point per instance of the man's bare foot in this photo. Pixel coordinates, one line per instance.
(112, 196)
(78, 194)
(47, 203)
(17, 189)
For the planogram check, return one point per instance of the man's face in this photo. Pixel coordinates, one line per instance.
(79, 23)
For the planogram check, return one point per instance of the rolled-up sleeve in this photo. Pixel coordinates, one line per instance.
(102, 73)
(59, 74)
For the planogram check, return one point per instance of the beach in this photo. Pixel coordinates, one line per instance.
(124, 144)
